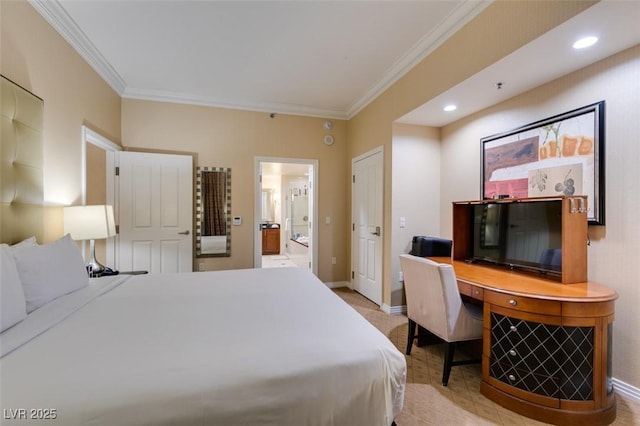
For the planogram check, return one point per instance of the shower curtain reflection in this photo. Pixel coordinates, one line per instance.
(214, 204)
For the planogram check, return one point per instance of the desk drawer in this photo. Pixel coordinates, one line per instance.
(471, 290)
(527, 304)
(527, 380)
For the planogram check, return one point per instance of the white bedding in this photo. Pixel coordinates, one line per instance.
(247, 347)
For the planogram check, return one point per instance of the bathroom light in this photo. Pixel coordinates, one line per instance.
(450, 108)
(585, 42)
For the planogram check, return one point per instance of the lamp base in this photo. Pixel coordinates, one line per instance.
(95, 268)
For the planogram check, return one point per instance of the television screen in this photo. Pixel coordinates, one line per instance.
(519, 234)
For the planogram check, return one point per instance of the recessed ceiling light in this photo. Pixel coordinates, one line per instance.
(585, 42)
(449, 108)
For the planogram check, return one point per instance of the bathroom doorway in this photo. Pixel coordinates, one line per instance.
(285, 209)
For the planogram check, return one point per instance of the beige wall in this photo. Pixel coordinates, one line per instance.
(415, 196)
(35, 56)
(500, 29)
(233, 138)
(614, 254)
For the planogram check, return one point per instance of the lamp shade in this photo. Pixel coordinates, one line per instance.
(89, 222)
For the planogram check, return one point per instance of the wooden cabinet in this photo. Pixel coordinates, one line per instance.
(270, 241)
(546, 346)
(547, 341)
(536, 356)
(573, 234)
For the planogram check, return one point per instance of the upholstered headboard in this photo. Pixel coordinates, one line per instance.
(21, 164)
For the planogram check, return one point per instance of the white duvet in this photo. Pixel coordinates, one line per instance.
(246, 347)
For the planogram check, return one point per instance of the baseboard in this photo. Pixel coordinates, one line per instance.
(626, 389)
(338, 284)
(394, 310)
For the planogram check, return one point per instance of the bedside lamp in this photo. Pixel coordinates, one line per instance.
(90, 223)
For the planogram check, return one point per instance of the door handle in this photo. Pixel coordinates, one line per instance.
(377, 232)
(184, 233)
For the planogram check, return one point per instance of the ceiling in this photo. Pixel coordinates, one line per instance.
(315, 58)
(546, 58)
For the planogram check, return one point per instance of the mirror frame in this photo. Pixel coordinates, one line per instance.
(199, 209)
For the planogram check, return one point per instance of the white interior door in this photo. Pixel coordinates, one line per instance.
(366, 242)
(155, 212)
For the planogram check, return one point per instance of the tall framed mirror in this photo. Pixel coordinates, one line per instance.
(268, 206)
(213, 211)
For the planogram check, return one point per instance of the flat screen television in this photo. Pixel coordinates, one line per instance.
(524, 235)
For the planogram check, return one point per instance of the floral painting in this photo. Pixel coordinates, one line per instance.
(560, 180)
(561, 155)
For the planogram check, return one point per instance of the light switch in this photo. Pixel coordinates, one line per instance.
(327, 220)
(237, 220)
(403, 222)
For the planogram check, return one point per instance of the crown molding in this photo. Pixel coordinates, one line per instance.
(59, 19)
(185, 98)
(53, 12)
(430, 42)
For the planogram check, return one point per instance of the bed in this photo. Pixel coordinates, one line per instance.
(244, 347)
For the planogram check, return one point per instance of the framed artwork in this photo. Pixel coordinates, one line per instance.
(560, 155)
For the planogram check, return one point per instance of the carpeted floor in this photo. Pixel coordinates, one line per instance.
(427, 402)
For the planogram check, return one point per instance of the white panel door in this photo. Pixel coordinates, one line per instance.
(367, 205)
(155, 212)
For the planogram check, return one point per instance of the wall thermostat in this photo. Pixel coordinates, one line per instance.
(237, 220)
(328, 140)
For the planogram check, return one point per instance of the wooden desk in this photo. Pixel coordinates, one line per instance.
(546, 345)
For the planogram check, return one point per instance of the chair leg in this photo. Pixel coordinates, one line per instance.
(411, 335)
(450, 349)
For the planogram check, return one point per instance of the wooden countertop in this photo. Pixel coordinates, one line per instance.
(516, 282)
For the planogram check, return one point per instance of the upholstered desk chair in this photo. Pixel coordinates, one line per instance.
(434, 302)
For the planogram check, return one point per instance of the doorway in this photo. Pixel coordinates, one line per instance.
(98, 185)
(286, 200)
(169, 220)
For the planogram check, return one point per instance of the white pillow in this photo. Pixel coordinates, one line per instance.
(31, 241)
(50, 271)
(13, 308)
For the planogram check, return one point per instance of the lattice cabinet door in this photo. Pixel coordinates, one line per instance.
(550, 360)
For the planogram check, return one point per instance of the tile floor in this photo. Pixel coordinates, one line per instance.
(427, 402)
(277, 261)
(284, 260)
